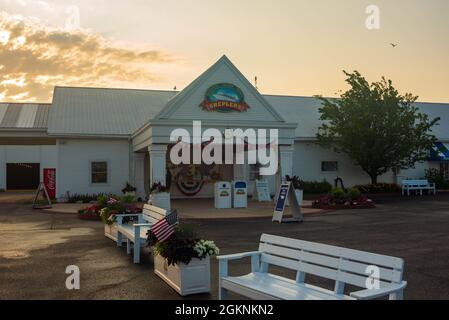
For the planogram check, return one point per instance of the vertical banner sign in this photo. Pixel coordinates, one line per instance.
(263, 191)
(50, 182)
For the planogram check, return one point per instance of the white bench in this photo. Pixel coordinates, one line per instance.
(136, 234)
(344, 266)
(419, 185)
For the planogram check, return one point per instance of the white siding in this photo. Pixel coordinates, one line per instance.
(45, 155)
(74, 165)
(307, 165)
(418, 172)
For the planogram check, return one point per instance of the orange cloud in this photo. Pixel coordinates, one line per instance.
(35, 57)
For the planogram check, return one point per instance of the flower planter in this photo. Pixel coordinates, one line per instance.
(193, 278)
(161, 200)
(110, 231)
(89, 217)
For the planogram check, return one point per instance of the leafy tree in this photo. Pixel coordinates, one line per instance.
(377, 127)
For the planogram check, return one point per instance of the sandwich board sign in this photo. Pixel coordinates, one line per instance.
(42, 189)
(287, 192)
(263, 191)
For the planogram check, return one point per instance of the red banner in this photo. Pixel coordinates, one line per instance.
(50, 182)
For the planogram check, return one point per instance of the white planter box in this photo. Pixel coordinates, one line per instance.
(110, 231)
(161, 200)
(193, 278)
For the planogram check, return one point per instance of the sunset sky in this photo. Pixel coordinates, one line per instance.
(295, 47)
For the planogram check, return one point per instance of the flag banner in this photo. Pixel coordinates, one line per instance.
(439, 152)
(165, 228)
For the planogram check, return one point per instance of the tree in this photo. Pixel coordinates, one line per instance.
(377, 127)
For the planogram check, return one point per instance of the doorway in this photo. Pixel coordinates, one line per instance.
(22, 176)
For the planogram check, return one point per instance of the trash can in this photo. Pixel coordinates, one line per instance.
(240, 192)
(223, 195)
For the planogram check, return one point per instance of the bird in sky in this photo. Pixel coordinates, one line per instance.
(394, 45)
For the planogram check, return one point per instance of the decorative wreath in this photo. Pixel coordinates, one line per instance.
(191, 188)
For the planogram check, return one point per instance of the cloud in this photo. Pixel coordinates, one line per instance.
(35, 57)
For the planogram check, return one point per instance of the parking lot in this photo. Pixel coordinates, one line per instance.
(38, 246)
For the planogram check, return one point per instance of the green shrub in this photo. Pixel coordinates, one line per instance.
(84, 198)
(379, 188)
(435, 176)
(315, 187)
(128, 198)
(102, 200)
(2, 190)
(338, 194)
(354, 194)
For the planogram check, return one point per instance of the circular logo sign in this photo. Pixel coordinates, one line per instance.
(224, 97)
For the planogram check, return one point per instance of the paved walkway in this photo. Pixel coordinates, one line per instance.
(38, 246)
(204, 209)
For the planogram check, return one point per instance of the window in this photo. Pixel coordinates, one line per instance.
(99, 172)
(329, 166)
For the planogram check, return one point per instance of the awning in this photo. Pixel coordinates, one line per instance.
(439, 152)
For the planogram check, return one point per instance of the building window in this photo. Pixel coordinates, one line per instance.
(99, 172)
(329, 166)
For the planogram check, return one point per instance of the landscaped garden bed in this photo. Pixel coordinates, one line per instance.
(106, 208)
(338, 199)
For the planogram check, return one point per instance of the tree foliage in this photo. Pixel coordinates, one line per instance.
(377, 127)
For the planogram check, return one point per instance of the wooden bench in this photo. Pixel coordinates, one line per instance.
(417, 185)
(343, 266)
(136, 234)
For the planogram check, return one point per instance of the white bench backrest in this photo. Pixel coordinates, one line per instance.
(415, 183)
(153, 214)
(330, 262)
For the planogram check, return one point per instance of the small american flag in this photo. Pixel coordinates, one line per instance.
(165, 228)
(112, 201)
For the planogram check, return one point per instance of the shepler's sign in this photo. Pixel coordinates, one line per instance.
(224, 97)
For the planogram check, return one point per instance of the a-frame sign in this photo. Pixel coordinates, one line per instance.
(287, 192)
(44, 191)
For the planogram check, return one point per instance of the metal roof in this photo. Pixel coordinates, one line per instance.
(95, 111)
(121, 112)
(24, 116)
(305, 111)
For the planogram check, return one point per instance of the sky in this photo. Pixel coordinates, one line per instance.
(294, 47)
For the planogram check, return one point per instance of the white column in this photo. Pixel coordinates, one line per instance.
(139, 174)
(158, 161)
(286, 161)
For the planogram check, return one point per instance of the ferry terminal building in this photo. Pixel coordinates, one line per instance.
(97, 140)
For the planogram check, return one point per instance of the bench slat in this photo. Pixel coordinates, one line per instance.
(391, 275)
(355, 255)
(271, 287)
(281, 262)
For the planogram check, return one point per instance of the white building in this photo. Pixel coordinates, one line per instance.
(99, 139)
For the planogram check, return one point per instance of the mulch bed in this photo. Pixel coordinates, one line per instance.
(89, 217)
(344, 207)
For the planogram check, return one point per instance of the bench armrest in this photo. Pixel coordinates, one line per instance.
(379, 293)
(238, 256)
(143, 225)
(223, 262)
(119, 217)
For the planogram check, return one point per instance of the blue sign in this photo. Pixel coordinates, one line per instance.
(282, 198)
